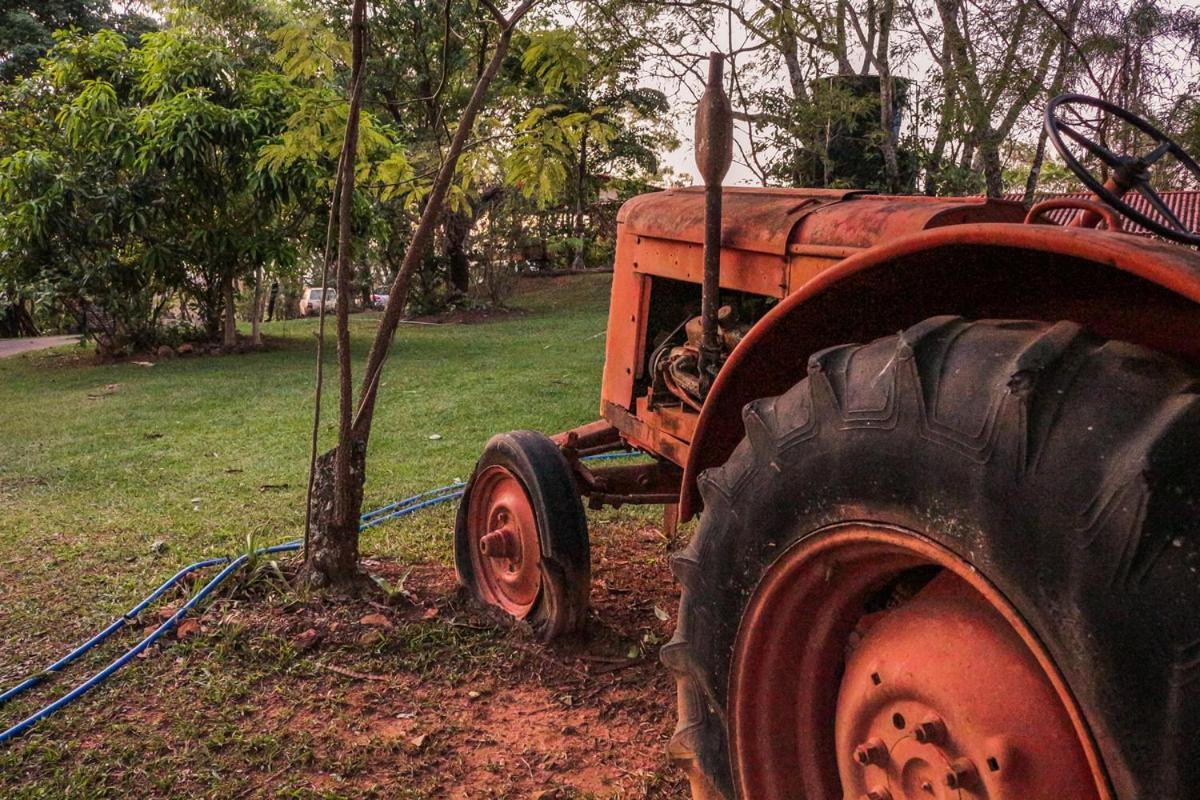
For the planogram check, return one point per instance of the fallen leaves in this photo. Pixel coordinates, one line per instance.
(307, 640)
(187, 628)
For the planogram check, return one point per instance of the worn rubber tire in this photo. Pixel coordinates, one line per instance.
(562, 603)
(1059, 465)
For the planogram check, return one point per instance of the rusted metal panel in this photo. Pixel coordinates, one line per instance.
(643, 436)
(758, 220)
(741, 270)
(678, 421)
(627, 310)
(1122, 287)
(775, 240)
(876, 219)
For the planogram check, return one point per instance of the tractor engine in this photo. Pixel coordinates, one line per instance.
(675, 367)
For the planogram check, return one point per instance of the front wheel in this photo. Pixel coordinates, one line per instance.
(521, 539)
(959, 563)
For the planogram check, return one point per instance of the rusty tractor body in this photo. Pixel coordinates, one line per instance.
(958, 561)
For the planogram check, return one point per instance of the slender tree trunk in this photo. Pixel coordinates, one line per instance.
(887, 99)
(398, 294)
(229, 338)
(256, 317)
(366, 281)
(331, 554)
(1056, 87)
(456, 227)
(1035, 169)
(993, 173)
(577, 261)
(933, 166)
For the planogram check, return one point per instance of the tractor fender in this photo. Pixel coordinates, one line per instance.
(1117, 285)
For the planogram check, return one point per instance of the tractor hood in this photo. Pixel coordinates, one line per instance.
(771, 221)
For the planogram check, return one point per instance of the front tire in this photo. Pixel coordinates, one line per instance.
(520, 537)
(1028, 475)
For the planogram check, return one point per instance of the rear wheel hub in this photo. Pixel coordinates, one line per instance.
(953, 705)
(872, 664)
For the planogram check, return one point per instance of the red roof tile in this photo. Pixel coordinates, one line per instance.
(1184, 204)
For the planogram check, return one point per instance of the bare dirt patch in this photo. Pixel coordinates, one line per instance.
(416, 694)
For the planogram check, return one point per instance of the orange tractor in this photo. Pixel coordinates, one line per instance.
(943, 462)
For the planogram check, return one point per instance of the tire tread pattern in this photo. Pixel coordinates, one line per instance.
(1062, 465)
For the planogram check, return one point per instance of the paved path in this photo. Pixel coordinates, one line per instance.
(11, 347)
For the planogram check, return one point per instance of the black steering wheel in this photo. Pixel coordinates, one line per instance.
(1129, 173)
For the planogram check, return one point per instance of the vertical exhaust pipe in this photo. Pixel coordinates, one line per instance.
(714, 154)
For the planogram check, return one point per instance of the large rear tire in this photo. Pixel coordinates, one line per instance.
(1021, 490)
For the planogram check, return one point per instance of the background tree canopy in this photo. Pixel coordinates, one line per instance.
(157, 170)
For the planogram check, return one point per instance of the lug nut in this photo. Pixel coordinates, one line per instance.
(872, 751)
(962, 774)
(931, 730)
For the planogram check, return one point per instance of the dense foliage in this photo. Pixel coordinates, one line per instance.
(146, 180)
(157, 172)
(135, 188)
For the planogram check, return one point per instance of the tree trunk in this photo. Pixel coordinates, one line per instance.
(1035, 169)
(366, 281)
(577, 261)
(332, 553)
(17, 321)
(229, 339)
(887, 100)
(456, 227)
(256, 317)
(993, 173)
(331, 547)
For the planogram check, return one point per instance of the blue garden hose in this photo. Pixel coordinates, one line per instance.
(232, 565)
(116, 625)
(132, 653)
(370, 519)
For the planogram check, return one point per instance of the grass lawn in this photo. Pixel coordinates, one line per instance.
(113, 476)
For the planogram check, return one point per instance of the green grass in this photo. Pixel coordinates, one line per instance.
(180, 452)
(113, 476)
(101, 463)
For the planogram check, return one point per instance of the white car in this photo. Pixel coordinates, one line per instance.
(310, 301)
